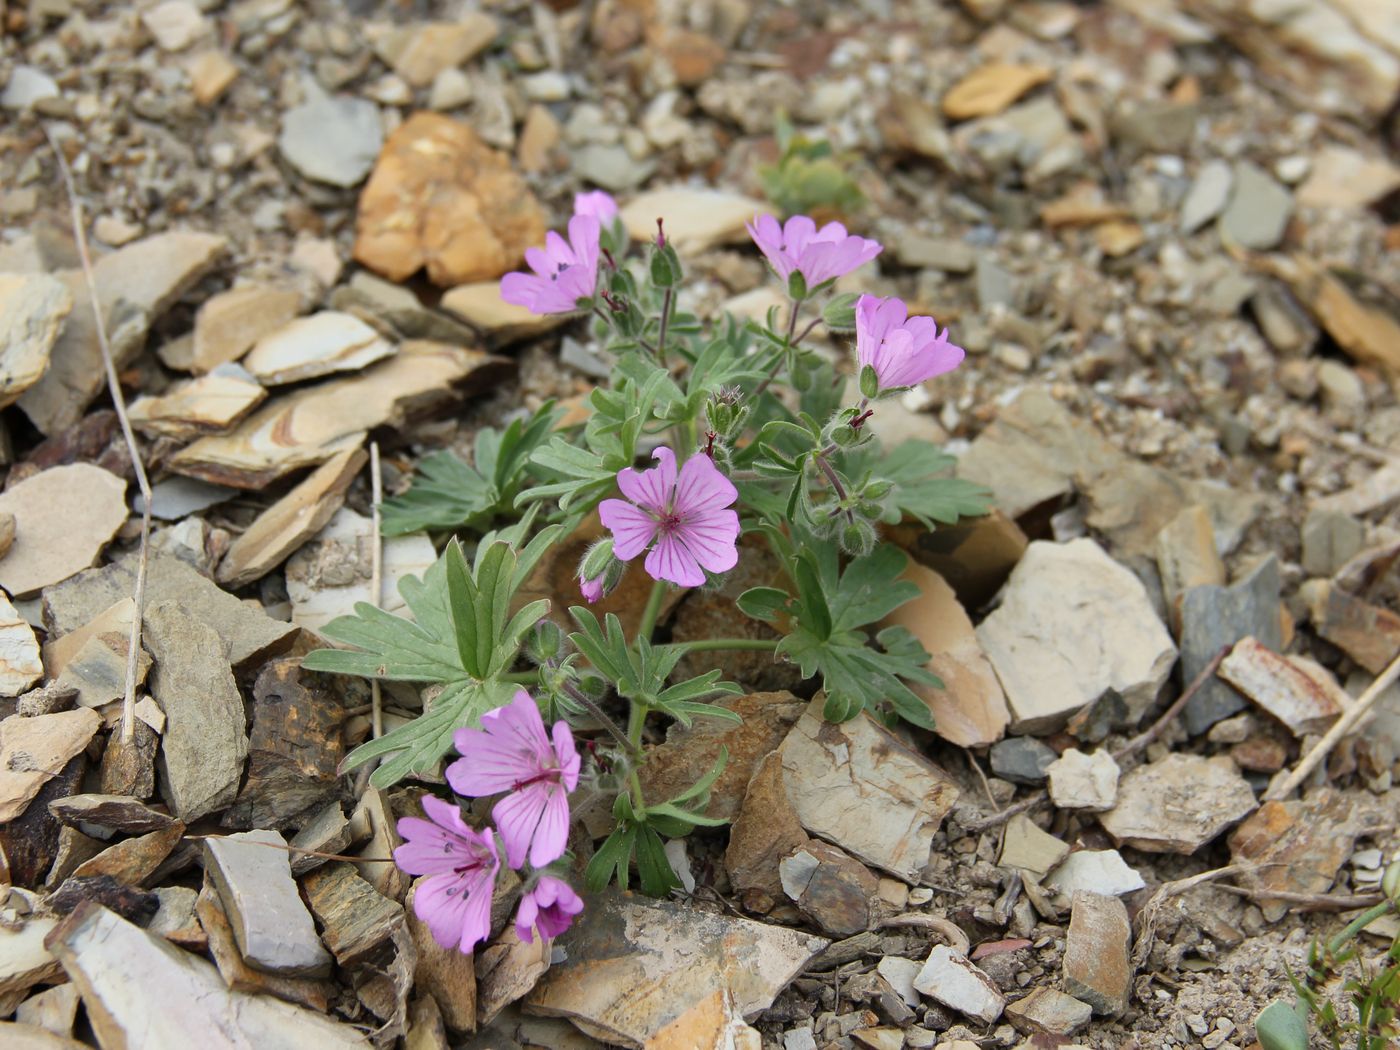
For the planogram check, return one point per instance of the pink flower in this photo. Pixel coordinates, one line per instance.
(686, 516)
(565, 271)
(550, 907)
(820, 255)
(903, 350)
(461, 865)
(510, 752)
(592, 589)
(598, 204)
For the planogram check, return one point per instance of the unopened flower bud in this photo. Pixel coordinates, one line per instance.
(599, 572)
(545, 643)
(858, 538)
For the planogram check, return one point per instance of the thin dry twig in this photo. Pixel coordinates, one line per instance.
(1310, 901)
(119, 403)
(1150, 914)
(947, 928)
(1129, 749)
(1344, 725)
(376, 575)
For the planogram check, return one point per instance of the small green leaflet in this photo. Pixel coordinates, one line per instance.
(828, 636)
(462, 636)
(923, 488)
(449, 493)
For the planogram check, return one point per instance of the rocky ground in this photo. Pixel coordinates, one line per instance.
(1165, 230)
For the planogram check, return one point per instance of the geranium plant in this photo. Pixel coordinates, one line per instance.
(706, 434)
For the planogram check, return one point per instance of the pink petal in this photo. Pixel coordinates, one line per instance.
(768, 235)
(457, 910)
(592, 589)
(558, 250)
(632, 528)
(516, 816)
(525, 918)
(541, 262)
(552, 833)
(671, 560)
(584, 231)
(510, 747)
(652, 488)
(519, 289)
(712, 539)
(566, 754)
(702, 486)
(797, 231)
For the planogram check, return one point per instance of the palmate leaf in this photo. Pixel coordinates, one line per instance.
(826, 624)
(464, 637)
(923, 488)
(448, 493)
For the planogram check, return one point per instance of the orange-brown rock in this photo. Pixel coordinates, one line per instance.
(440, 198)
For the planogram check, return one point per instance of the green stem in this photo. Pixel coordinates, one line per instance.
(652, 610)
(713, 645)
(1358, 924)
(636, 721)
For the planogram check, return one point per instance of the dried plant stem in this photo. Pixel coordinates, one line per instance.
(1129, 749)
(119, 403)
(376, 576)
(1311, 901)
(1344, 725)
(1139, 742)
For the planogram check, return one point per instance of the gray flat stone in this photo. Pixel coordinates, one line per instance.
(332, 140)
(245, 634)
(1022, 760)
(1207, 196)
(273, 927)
(952, 980)
(1178, 804)
(994, 285)
(178, 497)
(1258, 210)
(1212, 617)
(204, 746)
(1330, 539)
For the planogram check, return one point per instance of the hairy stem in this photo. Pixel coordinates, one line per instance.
(834, 480)
(790, 343)
(614, 730)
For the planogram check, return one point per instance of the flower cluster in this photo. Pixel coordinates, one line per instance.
(510, 753)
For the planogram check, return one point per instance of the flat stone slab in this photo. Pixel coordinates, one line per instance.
(1214, 616)
(205, 744)
(1097, 969)
(1178, 804)
(64, 517)
(1103, 635)
(245, 634)
(952, 980)
(274, 930)
(1097, 871)
(1084, 781)
(634, 967)
(1301, 695)
(142, 993)
(858, 785)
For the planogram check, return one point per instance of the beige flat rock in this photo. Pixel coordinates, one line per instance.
(205, 405)
(309, 347)
(142, 993)
(970, 710)
(20, 664)
(696, 219)
(33, 308)
(135, 285)
(989, 90)
(311, 425)
(418, 53)
(858, 785)
(64, 517)
(281, 529)
(228, 324)
(34, 750)
(634, 968)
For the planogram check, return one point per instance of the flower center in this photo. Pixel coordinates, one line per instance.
(544, 776)
(668, 522)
